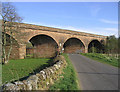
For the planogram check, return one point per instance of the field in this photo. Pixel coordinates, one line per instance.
(102, 58)
(69, 80)
(22, 68)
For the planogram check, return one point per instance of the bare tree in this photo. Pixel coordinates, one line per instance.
(9, 18)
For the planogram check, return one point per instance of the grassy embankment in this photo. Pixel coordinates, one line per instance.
(103, 58)
(17, 69)
(69, 80)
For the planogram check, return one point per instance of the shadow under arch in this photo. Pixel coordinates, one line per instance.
(43, 46)
(95, 46)
(15, 46)
(74, 45)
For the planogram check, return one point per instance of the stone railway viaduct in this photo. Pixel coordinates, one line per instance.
(47, 41)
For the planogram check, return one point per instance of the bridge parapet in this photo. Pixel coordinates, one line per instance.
(58, 30)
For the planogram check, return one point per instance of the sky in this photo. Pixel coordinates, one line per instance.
(92, 17)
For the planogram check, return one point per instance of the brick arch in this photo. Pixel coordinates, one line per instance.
(93, 40)
(76, 38)
(97, 44)
(44, 46)
(77, 45)
(31, 36)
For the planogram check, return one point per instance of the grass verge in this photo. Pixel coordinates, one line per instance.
(69, 80)
(102, 58)
(22, 68)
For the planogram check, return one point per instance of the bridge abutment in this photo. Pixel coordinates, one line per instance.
(86, 49)
(22, 51)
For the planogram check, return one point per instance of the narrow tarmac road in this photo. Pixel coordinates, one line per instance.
(94, 75)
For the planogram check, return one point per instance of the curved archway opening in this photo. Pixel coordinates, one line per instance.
(74, 45)
(43, 46)
(14, 54)
(95, 47)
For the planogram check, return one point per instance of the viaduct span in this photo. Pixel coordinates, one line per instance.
(46, 41)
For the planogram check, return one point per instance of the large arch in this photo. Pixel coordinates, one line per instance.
(44, 46)
(15, 46)
(74, 45)
(31, 35)
(95, 47)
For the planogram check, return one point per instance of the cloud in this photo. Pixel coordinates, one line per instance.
(108, 21)
(95, 11)
(111, 29)
(107, 31)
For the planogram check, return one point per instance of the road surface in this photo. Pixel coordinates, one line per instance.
(94, 75)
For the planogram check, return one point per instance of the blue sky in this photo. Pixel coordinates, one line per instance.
(91, 17)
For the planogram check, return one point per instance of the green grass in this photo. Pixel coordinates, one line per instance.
(17, 69)
(69, 80)
(102, 58)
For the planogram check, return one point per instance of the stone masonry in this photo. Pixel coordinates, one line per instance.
(41, 80)
(60, 36)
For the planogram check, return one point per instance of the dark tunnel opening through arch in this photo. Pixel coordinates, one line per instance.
(43, 46)
(95, 47)
(74, 45)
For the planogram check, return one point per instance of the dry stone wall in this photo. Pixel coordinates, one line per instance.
(40, 81)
